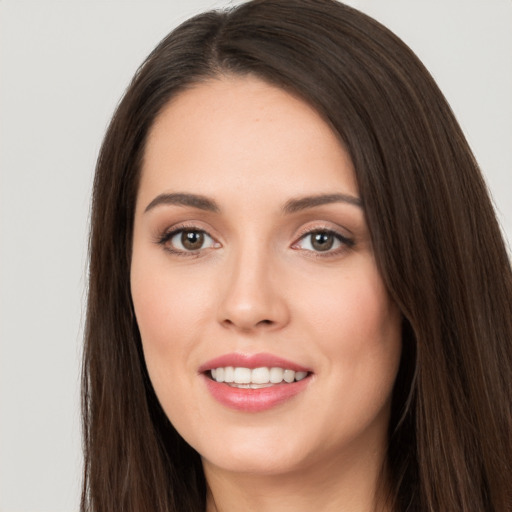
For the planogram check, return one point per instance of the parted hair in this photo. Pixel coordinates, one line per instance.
(435, 237)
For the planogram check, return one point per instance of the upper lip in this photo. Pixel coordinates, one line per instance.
(252, 361)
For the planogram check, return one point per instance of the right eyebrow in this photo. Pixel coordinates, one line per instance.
(181, 199)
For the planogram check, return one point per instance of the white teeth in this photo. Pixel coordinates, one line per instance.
(276, 375)
(289, 376)
(229, 374)
(257, 377)
(300, 375)
(250, 386)
(260, 376)
(242, 375)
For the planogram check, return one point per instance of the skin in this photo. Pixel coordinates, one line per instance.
(259, 285)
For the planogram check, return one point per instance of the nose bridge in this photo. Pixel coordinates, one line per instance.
(252, 296)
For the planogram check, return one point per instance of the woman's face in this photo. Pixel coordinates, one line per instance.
(252, 261)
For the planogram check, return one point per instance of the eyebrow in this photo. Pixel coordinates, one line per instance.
(181, 199)
(303, 203)
(291, 206)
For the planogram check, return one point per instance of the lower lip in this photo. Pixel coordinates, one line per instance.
(254, 400)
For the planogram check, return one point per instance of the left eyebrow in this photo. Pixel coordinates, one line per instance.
(181, 199)
(302, 203)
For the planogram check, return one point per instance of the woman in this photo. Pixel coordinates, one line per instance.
(299, 294)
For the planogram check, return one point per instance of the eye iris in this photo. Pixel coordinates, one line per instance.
(192, 240)
(322, 241)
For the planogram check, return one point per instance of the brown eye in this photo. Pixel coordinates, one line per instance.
(322, 241)
(188, 241)
(192, 240)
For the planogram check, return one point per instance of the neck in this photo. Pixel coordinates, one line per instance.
(346, 484)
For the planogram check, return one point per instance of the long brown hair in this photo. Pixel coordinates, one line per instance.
(435, 237)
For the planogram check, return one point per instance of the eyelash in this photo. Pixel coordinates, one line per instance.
(169, 235)
(346, 243)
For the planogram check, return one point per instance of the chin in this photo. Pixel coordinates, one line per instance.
(258, 460)
(256, 450)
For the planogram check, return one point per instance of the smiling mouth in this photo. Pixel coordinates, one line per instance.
(255, 378)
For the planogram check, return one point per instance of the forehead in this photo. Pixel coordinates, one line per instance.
(240, 133)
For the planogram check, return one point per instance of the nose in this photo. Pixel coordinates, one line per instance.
(253, 297)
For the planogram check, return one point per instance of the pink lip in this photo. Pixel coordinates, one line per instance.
(253, 400)
(252, 361)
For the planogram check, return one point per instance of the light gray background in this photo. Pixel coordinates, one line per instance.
(64, 65)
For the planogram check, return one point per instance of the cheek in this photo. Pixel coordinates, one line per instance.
(358, 330)
(167, 304)
(167, 307)
(353, 306)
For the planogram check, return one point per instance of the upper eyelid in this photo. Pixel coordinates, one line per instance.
(324, 228)
(183, 226)
(342, 238)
